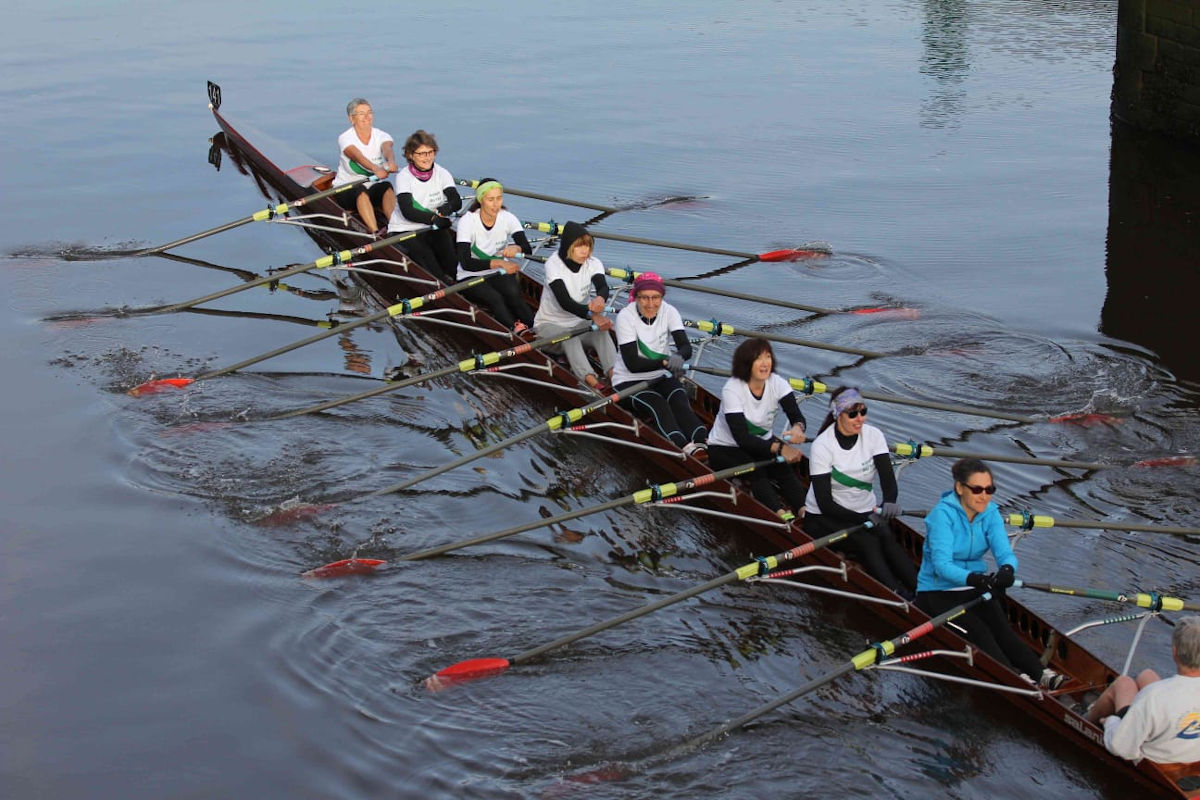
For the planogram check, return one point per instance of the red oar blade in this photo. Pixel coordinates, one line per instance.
(150, 387)
(1168, 461)
(471, 670)
(291, 512)
(888, 313)
(1086, 419)
(796, 253)
(347, 566)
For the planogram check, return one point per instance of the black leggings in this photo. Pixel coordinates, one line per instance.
(987, 628)
(665, 403)
(501, 295)
(764, 479)
(434, 252)
(875, 548)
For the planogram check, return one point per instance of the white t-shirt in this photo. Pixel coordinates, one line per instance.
(426, 194)
(760, 412)
(653, 340)
(486, 243)
(372, 151)
(852, 471)
(579, 286)
(1162, 724)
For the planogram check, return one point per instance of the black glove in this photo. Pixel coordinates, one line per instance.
(1004, 577)
(441, 222)
(675, 365)
(980, 580)
(889, 510)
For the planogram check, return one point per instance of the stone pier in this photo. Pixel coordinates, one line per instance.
(1157, 74)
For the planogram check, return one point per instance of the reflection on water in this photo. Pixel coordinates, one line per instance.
(1154, 246)
(945, 59)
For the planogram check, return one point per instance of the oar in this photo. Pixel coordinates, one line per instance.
(1152, 601)
(810, 386)
(476, 362)
(406, 306)
(811, 250)
(324, 262)
(270, 212)
(1027, 521)
(476, 668)
(865, 659)
(917, 450)
(557, 422)
(721, 329)
(628, 274)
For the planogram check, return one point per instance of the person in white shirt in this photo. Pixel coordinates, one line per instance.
(1155, 718)
(426, 197)
(364, 150)
(646, 329)
(573, 274)
(483, 248)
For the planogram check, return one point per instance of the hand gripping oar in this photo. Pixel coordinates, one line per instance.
(406, 306)
(915, 450)
(865, 659)
(811, 386)
(721, 329)
(477, 668)
(811, 250)
(270, 212)
(476, 362)
(331, 260)
(1151, 600)
(629, 274)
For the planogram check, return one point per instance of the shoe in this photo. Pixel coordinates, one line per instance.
(691, 448)
(522, 331)
(381, 233)
(786, 515)
(1051, 679)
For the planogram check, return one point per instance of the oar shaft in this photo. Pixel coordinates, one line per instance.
(554, 423)
(721, 329)
(1027, 520)
(628, 274)
(258, 216)
(1155, 602)
(395, 310)
(864, 659)
(924, 451)
(345, 256)
(549, 198)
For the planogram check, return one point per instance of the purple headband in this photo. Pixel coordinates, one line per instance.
(845, 401)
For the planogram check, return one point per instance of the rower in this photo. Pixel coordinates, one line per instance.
(1155, 718)
(846, 457)
(425, 196)
(575, 290)
(646, 328)
(959, 532)
(743, 430)
(482, 243)
(363, 149)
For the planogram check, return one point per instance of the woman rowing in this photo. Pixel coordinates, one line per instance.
(483, 246)
(744, 424)
(364, 150)
(646, 328)
(960, 530)
(425, 196)
(846, 458)
(573, 274)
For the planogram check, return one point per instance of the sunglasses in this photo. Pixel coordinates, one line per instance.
(980, 489)
(855, 412)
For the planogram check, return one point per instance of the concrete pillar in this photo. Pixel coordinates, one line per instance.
(1156, 80)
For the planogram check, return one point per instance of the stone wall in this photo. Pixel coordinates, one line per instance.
(1156, 82)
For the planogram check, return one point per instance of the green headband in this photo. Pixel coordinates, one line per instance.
(486, 187)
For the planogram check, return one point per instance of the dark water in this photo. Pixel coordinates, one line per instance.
(959, 158)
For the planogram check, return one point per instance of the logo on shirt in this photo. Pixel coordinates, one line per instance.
(1189, 726)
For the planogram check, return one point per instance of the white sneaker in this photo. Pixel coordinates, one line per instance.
(1051, 679)
(692, 448)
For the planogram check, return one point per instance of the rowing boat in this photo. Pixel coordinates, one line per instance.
(1061, 710)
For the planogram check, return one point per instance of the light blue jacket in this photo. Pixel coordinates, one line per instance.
(955, 547)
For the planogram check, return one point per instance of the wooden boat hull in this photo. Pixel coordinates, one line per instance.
(1087, 672)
